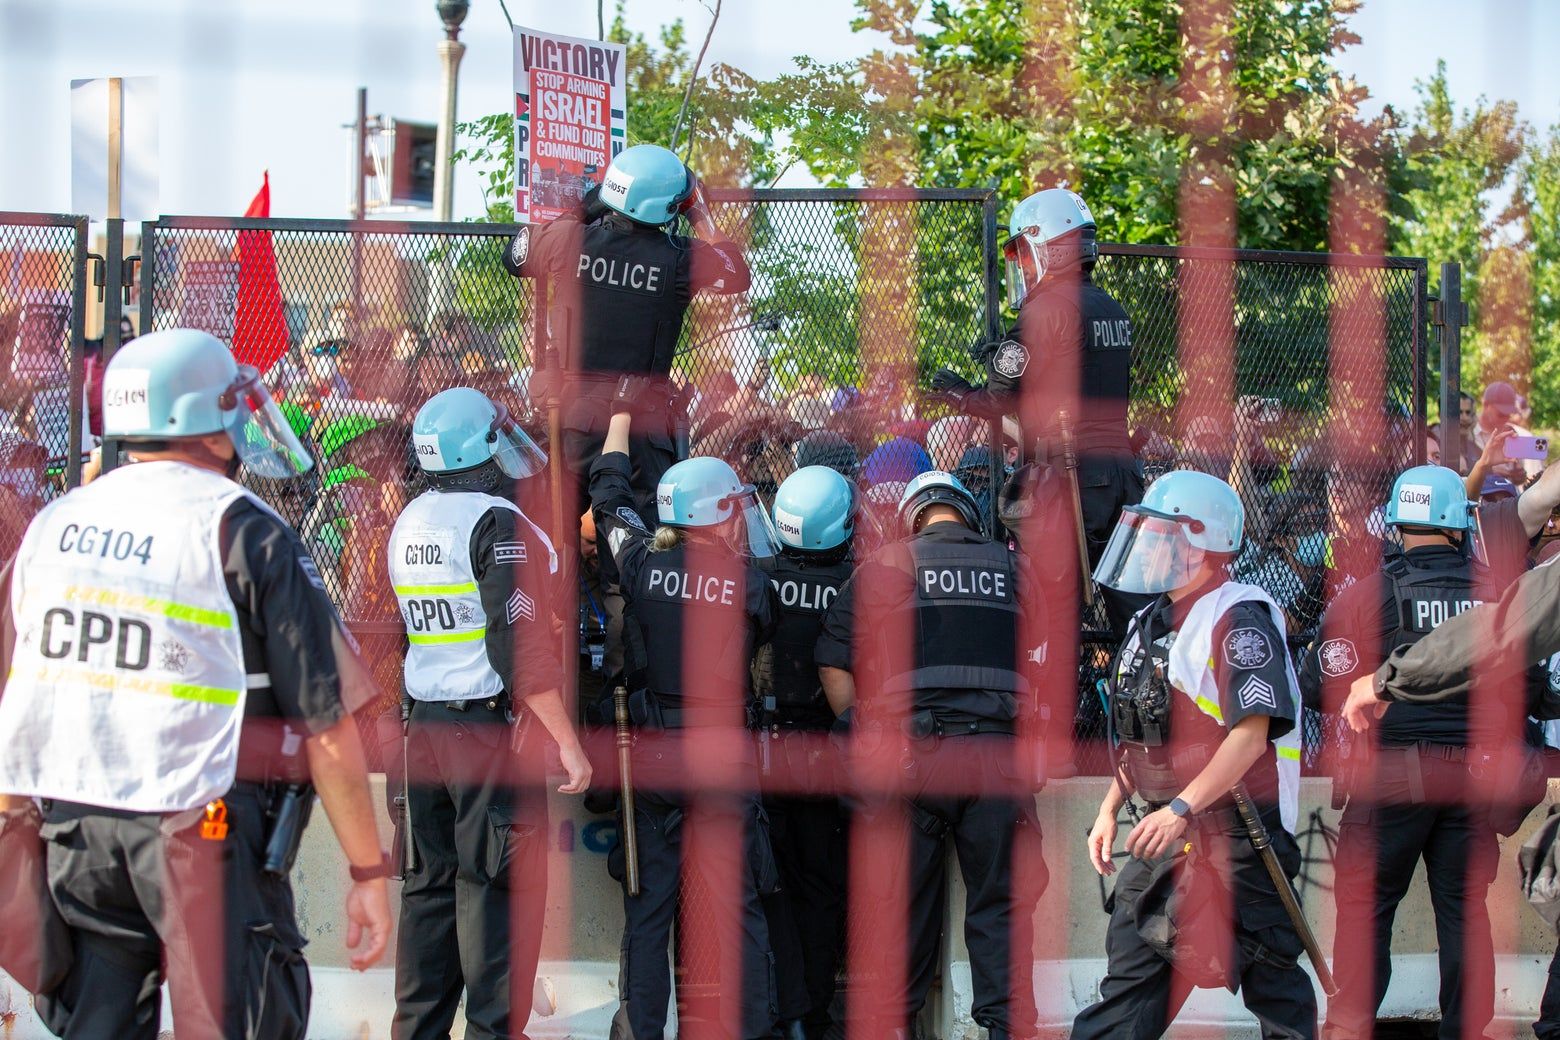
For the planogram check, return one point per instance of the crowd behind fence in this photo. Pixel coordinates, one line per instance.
(827, 359)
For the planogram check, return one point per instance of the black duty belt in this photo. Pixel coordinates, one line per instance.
(495, 703)
(923, 724)
(1446, 752)
(680, 718)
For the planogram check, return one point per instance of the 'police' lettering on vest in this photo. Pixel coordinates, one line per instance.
(804, 595)
(677, 585)
(976, 582)
(1429, 613)
(613, 273)
(1116, 333)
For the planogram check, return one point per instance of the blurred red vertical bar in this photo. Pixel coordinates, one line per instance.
(877, 945)
(1497, 704)
(718, 753)
(1206, 317)
(1052, 385)
(1359, 464)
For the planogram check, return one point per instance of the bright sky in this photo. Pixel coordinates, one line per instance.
(248, 85)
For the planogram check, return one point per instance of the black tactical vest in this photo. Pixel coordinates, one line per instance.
(805, 591)
(964, 620)
(1165, 739)
(664, 593)
(1423, 597)
(632, 295)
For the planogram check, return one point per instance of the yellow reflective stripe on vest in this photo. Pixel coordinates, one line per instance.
(1288, 752)
(449, 637)
(133, 601)
(436, 590)
(1211, 709)
(119, 681)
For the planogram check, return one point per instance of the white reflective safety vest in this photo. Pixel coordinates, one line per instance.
(435, 584)
(1191, 671)
(127, 683)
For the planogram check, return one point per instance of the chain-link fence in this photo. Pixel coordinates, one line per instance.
(42, 290)
(857, 297)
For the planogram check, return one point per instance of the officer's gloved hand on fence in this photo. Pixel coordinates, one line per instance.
(545, 386)
(951, 386)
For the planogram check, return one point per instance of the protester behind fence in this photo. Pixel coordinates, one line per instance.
(1499, 410)
(812, 402)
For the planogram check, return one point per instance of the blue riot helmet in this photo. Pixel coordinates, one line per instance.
(647, 184)
(704, 492)
(1161, 543)
(936, 488)
(1430, 496)
(462, 438)
(815, 510)
(180, 383)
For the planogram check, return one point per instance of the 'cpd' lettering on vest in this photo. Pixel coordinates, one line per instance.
(619, 274)
(804, 595)
(132, 639)
(964, 581)
(423, 614)
(707, 588)
(1435, 611)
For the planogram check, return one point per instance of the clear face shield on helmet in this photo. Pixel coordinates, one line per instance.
(513, 449)
(265, 443)
(1149, 553)
(749, 530)
(1025, 257)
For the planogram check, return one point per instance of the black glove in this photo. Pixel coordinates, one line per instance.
(592, 208)
(631, 393)
(545, 386)
(948, 384)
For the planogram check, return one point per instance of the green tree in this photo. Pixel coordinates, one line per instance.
(1540, 193)
(1457, 205)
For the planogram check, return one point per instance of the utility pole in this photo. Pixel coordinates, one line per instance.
(451, 50)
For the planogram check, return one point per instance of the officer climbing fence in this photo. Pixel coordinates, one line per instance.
(43, 259)
(825, 360)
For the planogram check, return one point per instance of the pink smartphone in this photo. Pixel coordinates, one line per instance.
(1526, 448)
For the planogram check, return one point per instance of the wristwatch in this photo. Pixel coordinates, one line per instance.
(1179, 806)
(373, 873)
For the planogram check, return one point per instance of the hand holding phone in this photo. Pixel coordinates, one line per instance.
(1527, 448)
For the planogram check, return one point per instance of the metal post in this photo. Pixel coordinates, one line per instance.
(116, 145)
(359, 151)
(1449, 315)
(113, 306)
(993, 330)
(451, 50)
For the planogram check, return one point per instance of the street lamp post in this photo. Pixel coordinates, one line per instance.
(452, 13)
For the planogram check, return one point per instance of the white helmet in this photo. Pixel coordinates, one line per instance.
(1036, 246)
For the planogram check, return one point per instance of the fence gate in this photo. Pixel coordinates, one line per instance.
(43, 272)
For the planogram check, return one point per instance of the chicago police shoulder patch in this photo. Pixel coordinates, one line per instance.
(1338, 657)
(1247, 648)
(1010, 359)
(520, 247)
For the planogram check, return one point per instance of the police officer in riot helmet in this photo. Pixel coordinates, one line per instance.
(1202, 698)
(1411, 801)
(177, 682)
(970, 637)
(473, 576)
(1068, 328)
(815, 517)
(702, 606)
(618, 282)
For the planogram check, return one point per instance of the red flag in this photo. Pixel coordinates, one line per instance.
(260, 329)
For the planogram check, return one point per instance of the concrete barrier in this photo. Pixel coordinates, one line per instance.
(577, 987)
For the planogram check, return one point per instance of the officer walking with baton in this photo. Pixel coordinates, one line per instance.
(168, 640)
(1203, 708)
(473, 577)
